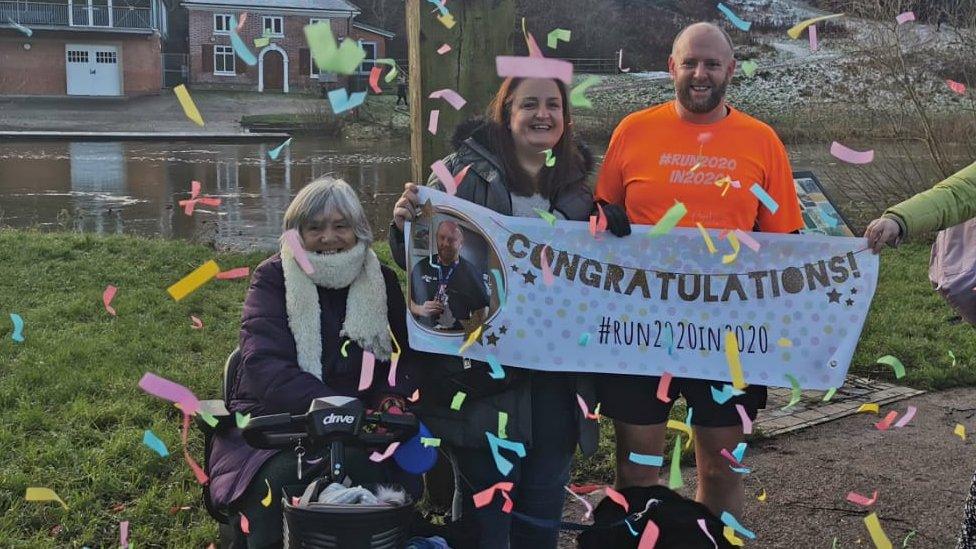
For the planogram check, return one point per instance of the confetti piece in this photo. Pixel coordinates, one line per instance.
(617, 498)
(953, 357)
(390, 76)
(294, 241)
(885, 423)
(485, 496)
(645, 459)
(377, 457)
(550, 158)
(704, 528)
(734, 242)
(344, 58)
(444, 175)
(729, 534)
(240, 24)
(960, 431)
(957, 87)
(497, 372)
(749, 67)
(631, 528)
(273, 153)
(733, 18)
(762, 495)
(582, 500)
(905, 17)
(586, 409)
(870, 407)
(366, 370)
(812, 31)
(550, 218)
(245, 525)
(669, 220)
(504, 466)
(795, 392)
(547, 277)
(556, 35)
(878, 536)
(27, 32)
(443, 49)
(910, 535)
(196, 323)
(732, 357)
(430, 442)
(796, 30)
(240, 48)
(829, 394)
(189, 283)
(663, 387)
(731, 522)
(198, 472)
(124, 534)
(415, 396)
(909, 414)
(447, 20)
(458, 400)
(262, 42)
(435, 116)
(342, 101)
(584, 339)
(471, 339)
(107, 296)
(577, 97)
(451, 96)
(152, 441)
(171, 391)
(683, 427)
(737, 466)
(764, 197)
(209, 419)
(674, 480)
(858, 499)
(342, 349)
(189, 107)
(242, 419)
(747, 239)
(649, 537)
(895, 364)
(708, 239)
(850, 155)
(722, 396)
(35, 493)
(534, 67)
(374, 79)
(744, 416)
(502, 424)
(499, 286)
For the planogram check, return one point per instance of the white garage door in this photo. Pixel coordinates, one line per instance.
(93, 70)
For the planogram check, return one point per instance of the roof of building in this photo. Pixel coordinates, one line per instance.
(375, 30)
(267, 5)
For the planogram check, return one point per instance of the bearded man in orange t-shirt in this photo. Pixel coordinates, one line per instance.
(676, 152)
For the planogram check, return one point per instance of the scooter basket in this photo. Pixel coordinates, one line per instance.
(323, 526)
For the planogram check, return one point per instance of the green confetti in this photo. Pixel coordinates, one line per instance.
(430, 442)
(342, 350)
(556, 35)
(895, 364)
(502, 424)
(908, 537)
(393, 68)
(670, 220)
(675, 482)
(577, 97)
(209, 419)
(458, 400)
(794, 392)
(342, 59)
(953, 357)
(242, 419)
(830, 394)
(550, 158)
(749, 67)
(551, 219)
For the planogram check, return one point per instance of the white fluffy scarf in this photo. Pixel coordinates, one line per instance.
(366, 313)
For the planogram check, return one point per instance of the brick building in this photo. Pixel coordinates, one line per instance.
(81, 47)
(283, 65)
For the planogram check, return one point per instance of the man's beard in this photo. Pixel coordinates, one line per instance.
(714, 99)
(447, 258)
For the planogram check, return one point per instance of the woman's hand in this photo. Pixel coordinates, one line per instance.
(405, 208)
(430, 308)
(881, 231)
(617, 220)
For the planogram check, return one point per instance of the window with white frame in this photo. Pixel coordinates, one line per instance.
(224, 60)
(368, 62)
(221, 23)
(273, 26)
(315, 68)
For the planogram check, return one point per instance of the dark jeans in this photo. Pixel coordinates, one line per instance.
(538, 478)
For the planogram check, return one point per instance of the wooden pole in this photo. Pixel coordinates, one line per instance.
(483, 29)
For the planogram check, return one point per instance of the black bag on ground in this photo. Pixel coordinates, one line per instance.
(675, 516)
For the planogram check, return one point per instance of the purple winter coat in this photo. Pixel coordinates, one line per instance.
(270, 381)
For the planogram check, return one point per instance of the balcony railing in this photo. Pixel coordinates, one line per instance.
(81, 15)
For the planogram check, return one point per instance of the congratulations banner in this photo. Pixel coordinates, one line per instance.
(561, 295)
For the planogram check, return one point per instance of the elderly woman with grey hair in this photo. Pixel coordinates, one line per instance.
(303, 337)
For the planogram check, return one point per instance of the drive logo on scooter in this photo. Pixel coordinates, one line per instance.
(335, 418)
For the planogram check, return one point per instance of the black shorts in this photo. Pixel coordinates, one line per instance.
(633, 399)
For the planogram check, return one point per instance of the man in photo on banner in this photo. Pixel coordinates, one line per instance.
(701, 152)
(447, 288)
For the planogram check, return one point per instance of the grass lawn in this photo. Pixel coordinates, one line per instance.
(72, 417)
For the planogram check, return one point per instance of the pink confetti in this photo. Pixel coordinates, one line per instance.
(485, 496)
(124, 534)
(858, 499)
(885, 423)
(957, 87)
(534, 49)
(194, 466)
(814, 45)
(583, 489)
(663, 387)
(195, 189)
(585, 408)
(905, 17)
(598, 223)
(617, 498)
(374, 79)
(584, 501)
(747, 240)
(909, 414)
(107, 296)
(728, 455)
(378, 457)
(460, 176)
(451, 96)
(443, 49)
(197, 323)
(704, 137)
(746, 422)
(534, 67)
(240, 23)
(704, 528)
(294, 242)
(850, 155)
(366, 370)
(391, 377)
(415, 396)
(547, 277)
(447, 179)
(649, 538)
(245, 525)
(234, 274)
(435, 115)
(171, 391)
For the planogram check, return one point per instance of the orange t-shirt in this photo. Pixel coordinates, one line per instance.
(649, 164)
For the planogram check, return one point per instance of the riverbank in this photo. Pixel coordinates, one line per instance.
(72, 416)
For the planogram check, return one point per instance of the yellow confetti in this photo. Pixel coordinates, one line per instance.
(35, 493)
(960, 431)
(869, 407)
(267, 499)
(684, 428)
(725, 183)
(734, 241)
(729, 534)
(695, 167)
(797, 29)
(189, 107)
(708, 240)
(732, 357)
(447, 20)
(471, 339)
(784, 342)
(878, 536)
(762, 495)
(189, 283)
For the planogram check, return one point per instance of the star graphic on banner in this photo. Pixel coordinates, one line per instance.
(515, 268)
(503, 330)
(427, 210)
(492, 339)
(529, 278)
(833, 295)
(849, 302)
(853, 291)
